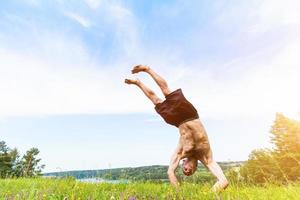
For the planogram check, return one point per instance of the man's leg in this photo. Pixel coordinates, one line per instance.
(148, 92)
(216, 170)
(158, 79)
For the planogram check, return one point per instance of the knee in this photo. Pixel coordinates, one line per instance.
(157, 101)
(166, 90)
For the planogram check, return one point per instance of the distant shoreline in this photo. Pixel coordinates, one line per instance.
(152, 172)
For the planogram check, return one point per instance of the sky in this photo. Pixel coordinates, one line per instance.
(63, 65)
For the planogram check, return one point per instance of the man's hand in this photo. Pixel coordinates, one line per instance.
(173, 166)
(172, 178)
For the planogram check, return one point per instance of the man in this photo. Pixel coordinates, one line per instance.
(193, 143)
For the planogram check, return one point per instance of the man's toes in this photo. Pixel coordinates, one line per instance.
(139, 68)
(128, 81)
(136, 69)
(131, 81)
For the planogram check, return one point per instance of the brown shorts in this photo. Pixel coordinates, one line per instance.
(176, 109)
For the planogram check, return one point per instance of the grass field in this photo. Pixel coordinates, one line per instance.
(42, 188)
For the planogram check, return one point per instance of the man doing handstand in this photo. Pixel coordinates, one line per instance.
(193, 143)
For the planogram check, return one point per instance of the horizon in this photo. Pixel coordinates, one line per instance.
(63, 65)
(154, 165)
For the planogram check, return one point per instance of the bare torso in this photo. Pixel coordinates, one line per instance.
(193, 139)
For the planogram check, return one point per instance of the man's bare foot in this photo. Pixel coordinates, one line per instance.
(220, 185)
(140, 68)
(132, 81)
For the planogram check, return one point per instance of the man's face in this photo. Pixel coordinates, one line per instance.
(189, 166)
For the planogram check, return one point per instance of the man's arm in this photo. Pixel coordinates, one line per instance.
(174, 164)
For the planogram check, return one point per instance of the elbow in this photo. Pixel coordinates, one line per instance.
(170, 172)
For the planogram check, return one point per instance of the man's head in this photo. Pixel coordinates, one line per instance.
(189, 166)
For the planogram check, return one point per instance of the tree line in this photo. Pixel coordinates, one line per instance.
(279, 164)
(13, 165)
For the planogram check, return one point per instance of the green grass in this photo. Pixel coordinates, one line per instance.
(41, 188)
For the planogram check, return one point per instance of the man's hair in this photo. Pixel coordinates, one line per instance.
(191, 162)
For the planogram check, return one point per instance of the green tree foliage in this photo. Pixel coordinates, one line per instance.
(280, 164)
(30, 164)
(5, 160)
(16, 170)
(11, 165)
(286, 137)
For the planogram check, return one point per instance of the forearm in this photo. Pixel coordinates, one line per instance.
(174, 164)
(173, 178)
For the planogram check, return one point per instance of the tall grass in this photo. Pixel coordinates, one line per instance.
(42, 188)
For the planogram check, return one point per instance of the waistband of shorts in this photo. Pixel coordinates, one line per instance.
(175, 91)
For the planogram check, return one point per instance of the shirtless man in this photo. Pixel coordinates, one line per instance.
(193, 143)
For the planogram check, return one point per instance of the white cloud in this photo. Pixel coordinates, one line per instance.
(32, 2)
(272, 15)
(79, 19)
(70, 83)
(265, 86)
(60, 77)
(126, 26)
(30, 86)
(55, 74)
(119, 11)
(262, 77)
(94, 4)
(259, 16)
(279, 12)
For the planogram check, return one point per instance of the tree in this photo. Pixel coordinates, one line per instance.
(12, 166)
(261, 167)
(30, 164)
(280, 164)
(16, 163)
(286, 137)
(5, 160)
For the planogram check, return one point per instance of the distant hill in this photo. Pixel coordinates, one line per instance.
(144, 173)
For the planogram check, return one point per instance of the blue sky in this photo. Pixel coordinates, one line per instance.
(62, 66)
